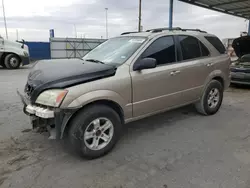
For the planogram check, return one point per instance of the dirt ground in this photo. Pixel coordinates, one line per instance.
(172, 150)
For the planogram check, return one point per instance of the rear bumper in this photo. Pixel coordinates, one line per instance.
(46, 118)
(240, 78)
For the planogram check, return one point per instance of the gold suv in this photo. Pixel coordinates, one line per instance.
(124, 79)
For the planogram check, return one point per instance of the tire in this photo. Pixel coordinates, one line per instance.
(84, 123)
(205, 106)
(12, 61)
(3, 65)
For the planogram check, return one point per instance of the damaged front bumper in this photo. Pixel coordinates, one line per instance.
(53, 120)
(25, 59)
(39, 111)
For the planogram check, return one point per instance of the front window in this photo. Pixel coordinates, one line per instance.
(115, 50)
(162, 49)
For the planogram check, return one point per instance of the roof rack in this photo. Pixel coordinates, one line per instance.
(125, 33)
(194, 30)
(156, 30)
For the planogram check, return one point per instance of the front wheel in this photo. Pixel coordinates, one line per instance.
(94, 131)
(12, 61)
(211, 99)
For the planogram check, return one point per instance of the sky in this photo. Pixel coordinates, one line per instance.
(34, 18)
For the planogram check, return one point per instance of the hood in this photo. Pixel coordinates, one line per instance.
(241, 46)
(62, 73)
(12, 43)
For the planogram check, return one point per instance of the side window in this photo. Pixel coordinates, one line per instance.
(216, 43)
(204, 50)
(190, 47)
(162, 49)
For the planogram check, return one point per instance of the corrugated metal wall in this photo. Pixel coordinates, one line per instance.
(72, 47)
(62, 48)
(39, 50)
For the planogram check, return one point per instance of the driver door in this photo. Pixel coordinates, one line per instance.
(158, 88)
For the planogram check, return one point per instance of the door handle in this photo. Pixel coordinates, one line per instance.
(173, 73)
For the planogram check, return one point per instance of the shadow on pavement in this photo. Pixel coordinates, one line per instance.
(240, 86)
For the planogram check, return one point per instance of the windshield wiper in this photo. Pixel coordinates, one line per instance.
(94, 61)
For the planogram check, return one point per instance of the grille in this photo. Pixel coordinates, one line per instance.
(241, 80)
(28, 89)
(245, 70)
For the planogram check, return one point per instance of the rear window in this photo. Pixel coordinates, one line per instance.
(217, 44)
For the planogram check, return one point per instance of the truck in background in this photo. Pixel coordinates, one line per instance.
(13, 54)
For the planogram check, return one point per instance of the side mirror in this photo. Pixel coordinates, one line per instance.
(22, 43)
(145, 63)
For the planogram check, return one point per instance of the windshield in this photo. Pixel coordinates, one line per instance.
(115, 50)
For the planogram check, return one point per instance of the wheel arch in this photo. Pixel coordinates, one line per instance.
(112, 104)
(221, 80)
(219, 76)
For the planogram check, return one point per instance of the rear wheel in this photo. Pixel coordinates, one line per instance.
(211, 99)
(94, 131)
(12, 61)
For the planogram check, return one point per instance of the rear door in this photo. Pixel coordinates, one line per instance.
(221, 62)
(195, 67)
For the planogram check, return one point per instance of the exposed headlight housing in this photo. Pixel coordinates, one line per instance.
(53, 97)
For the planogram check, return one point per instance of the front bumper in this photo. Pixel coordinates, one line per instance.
(25, 60)
(39, 111)
(240, 78)
(42, 117)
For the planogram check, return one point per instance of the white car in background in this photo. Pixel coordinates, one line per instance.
(13, 54)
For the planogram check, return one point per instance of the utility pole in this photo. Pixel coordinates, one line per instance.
(106, 23)
(139, 24)
(6, 31)
(171, 5)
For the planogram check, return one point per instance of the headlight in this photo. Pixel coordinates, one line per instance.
(25, 54)
(53, 97)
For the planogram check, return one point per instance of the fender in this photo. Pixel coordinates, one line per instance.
(95, 96)
(14, 50)
(214, 74)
